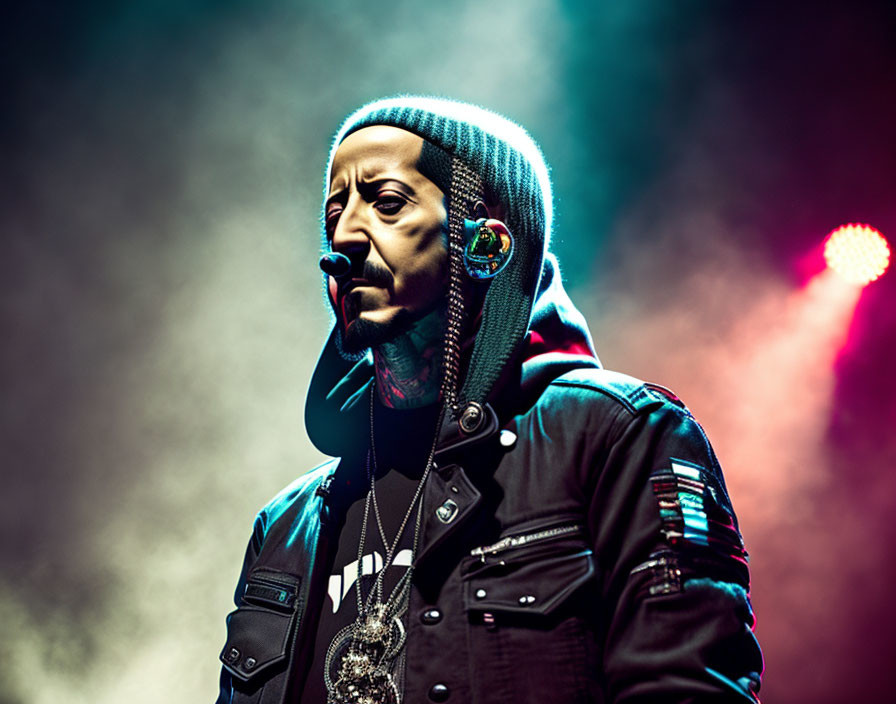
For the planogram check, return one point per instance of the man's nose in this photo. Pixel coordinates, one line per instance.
(351, 236)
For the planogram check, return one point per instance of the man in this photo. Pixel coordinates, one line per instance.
(506, 521)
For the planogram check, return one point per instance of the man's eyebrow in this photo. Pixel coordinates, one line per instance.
(368, 183)
(335, 195)
(383, 180)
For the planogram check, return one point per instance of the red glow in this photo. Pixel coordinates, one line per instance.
(859, 253)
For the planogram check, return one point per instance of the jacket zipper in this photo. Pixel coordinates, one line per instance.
(514, 541)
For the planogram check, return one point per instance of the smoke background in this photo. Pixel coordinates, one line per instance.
(161, 305)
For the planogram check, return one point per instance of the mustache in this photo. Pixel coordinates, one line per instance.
(375, 274)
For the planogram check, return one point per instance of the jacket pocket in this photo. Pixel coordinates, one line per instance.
(529, 629)
(260, 632)
(528, 572)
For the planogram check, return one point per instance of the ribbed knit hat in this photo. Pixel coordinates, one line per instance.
(509, 164)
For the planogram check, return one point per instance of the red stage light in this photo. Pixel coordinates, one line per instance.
(859, 253)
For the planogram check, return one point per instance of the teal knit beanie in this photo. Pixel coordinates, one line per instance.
(492, 153)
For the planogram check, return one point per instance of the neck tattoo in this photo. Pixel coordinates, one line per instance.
(409, 367)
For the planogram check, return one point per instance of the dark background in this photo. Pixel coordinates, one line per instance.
(161, 307)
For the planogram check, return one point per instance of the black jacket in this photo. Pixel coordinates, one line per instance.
(586, 550)
(593, 556)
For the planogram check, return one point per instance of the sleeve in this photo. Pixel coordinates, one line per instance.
(677, 620)
(252, 550)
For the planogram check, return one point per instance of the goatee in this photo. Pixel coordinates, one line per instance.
(362, 334)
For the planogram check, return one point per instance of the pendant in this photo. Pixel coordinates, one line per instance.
(361, 658)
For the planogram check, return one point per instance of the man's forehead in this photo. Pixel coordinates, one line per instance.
(377, 148)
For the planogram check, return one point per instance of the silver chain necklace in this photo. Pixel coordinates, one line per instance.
(365, 655)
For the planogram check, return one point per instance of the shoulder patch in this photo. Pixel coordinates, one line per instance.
(695, 524)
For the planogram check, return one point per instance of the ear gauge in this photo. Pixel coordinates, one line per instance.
(488, 246)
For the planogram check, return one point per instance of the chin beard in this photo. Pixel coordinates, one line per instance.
(362, 334)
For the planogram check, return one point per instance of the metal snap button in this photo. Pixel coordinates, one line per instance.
(471, 418)
(439, 692)
(526, 600)
(447, 511)
(250, 663)
(480, 594)
(431, 617)
(233, 655)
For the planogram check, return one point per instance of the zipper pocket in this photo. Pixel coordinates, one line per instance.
(515, 541)
(262, 590)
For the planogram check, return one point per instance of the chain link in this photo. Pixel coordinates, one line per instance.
(466, 189)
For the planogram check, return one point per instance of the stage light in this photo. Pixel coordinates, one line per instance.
(858, 253)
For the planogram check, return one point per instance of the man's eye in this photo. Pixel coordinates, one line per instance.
(330, 220)
(389, 204)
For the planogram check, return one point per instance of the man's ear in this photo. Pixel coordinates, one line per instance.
(492, 210)
(488, 245)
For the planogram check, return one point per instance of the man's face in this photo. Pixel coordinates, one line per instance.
(390, 221)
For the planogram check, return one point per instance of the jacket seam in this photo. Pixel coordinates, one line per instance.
(625, 403)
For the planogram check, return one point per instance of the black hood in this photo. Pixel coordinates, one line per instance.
(557, 341)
